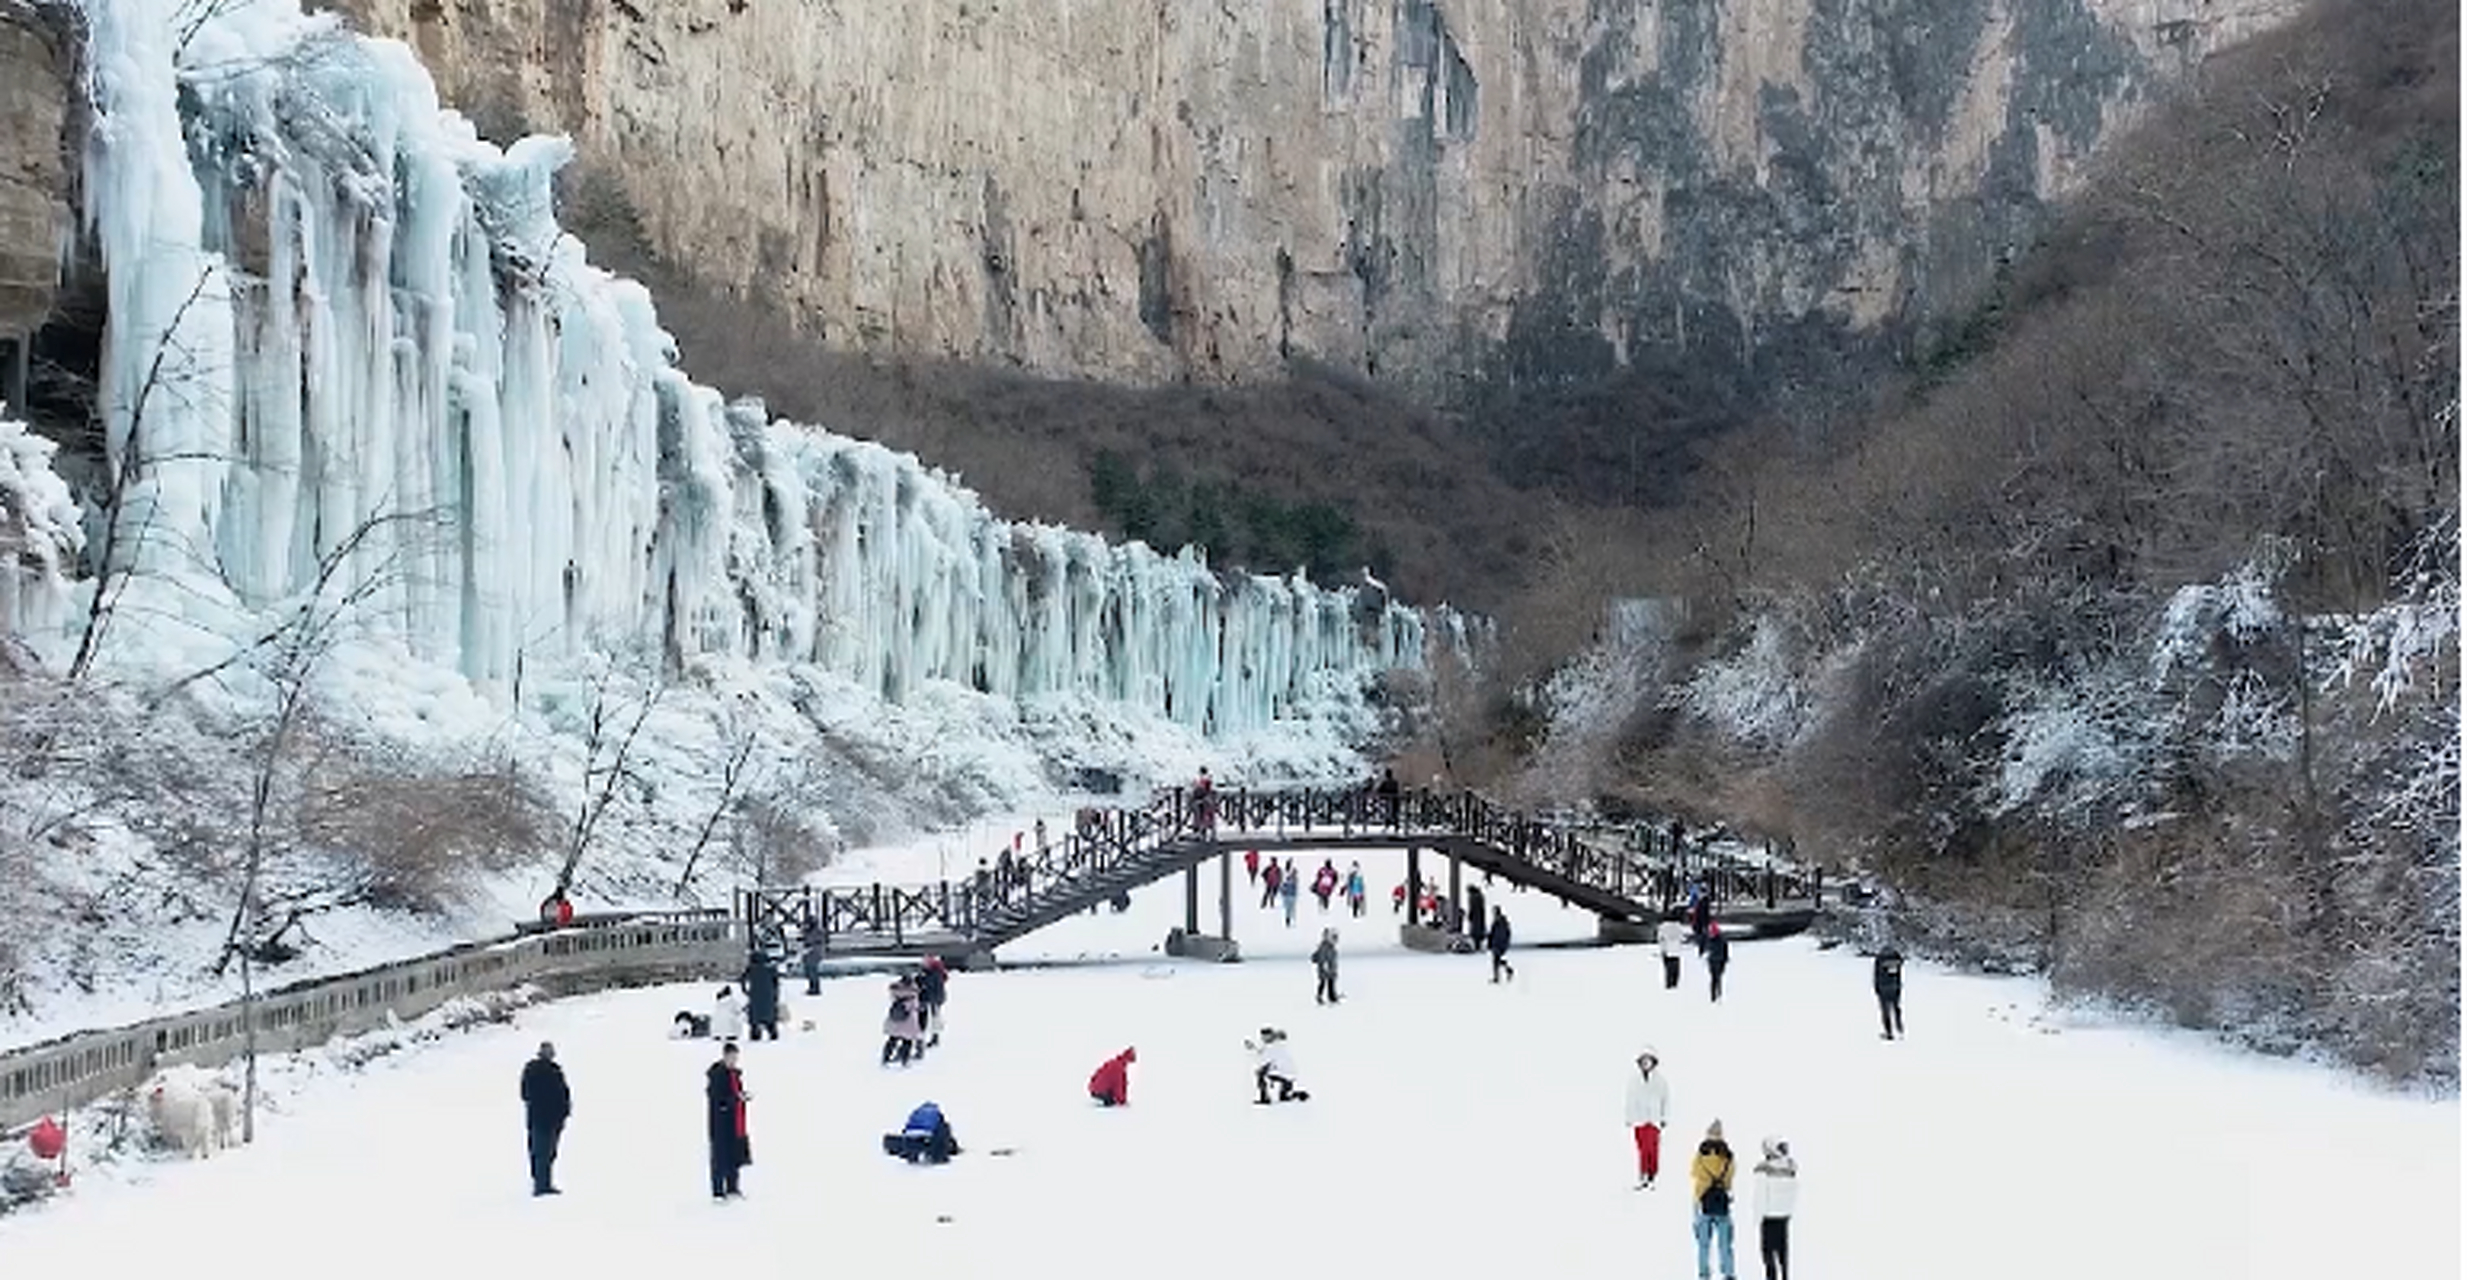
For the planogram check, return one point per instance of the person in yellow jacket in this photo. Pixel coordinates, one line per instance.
(1712, 1173)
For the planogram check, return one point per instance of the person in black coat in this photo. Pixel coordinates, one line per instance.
(546, 1104)
(1889, 990)
(933, 984)
(1717, 955)
(1499, 939)
(1476, 912)
(762, 997)
(724, 1097)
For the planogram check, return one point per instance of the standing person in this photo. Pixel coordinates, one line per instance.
(1474, 904)
(1717, 956)
(1323, 959)
(725, 1097)
(1648, 1110)
(1355, 890)
(1203, 804)
(933, 986)
(762, 996)
(1389, 796)
(1289, 888)
(1111, 1085)
(1671, 936)
(1272, 879)
(901, 1028)
(1889, 990)
(1711, 1174)
(727, 1015)
(1700, 914)
(1499, 940)
(1323, 884)
(1777, 1194)
(546, 1104)
(813, 959)
(1040, 835)
(1250, 864)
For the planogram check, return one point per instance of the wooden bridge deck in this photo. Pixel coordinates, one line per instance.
(1635, 882)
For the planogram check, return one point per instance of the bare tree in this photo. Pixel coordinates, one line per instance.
(737, 739)
(609, 733)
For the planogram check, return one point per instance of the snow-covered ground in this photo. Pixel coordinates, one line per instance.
(1454, 1125)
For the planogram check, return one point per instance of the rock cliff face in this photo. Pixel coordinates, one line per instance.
(1420, 190)
(36, 66)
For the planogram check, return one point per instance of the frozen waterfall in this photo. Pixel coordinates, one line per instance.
(333, 305)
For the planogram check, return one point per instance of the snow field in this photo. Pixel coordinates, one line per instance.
(1453, 1123)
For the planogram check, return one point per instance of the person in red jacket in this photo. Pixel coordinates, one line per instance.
(1111, 1085)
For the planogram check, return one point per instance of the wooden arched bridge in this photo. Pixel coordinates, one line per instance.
(1630, 877)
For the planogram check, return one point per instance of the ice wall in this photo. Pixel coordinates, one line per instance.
(348, 334)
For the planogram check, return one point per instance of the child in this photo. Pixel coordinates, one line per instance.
(1111, 1085)
(926, 1138)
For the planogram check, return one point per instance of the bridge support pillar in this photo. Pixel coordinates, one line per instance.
(1190, 900)
(1224, 895)
(1413, 884)
(1456, 889)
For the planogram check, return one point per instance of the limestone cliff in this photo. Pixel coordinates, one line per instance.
(1421, 190)
(35, 92)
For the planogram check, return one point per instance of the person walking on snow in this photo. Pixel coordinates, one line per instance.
(1671, 936)
(1499, 940)
(1889, 990)
(1648, 1110)
(724, 1098)
(1323, 884)
(1111, 1085)
(933, 987)
(900, 1028)
(1355, 890)
(762, 996)
(1271, 880)
(1289, 887)
(727, 1016)
(1250, 864)
(546, 1104)
(1323, 959)
(1777, 1194)
(1717, 956)
(1273, 1068)
(1711, 1173)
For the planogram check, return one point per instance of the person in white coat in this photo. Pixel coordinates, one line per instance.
(1671, 935)
(727, 1016)
(1273, 1068)
(1648, 1110)
(1777, 1194)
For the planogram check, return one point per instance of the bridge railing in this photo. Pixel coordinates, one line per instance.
(77, 1069)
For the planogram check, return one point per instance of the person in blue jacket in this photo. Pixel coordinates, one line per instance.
(925, 1139)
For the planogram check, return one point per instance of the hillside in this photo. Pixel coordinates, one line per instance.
(2122, 640)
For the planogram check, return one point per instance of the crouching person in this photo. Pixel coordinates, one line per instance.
(925, 1139)
(1111, 1085)
(1274, 1068)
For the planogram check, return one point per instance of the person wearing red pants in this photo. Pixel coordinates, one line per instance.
(1648, 1111)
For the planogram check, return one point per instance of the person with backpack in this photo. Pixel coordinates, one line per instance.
(1889, 990)
(1717, 956)
(1671, 936)
(1250, 864)
(1323, 884)
(1270, 881)
(925, 1139)
(1777, 1194)
(1499, 939)
(1711, 1173)
(547, 1104)
(1323, 960)
(1648, 1110)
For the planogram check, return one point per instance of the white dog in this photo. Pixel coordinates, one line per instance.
(193, 1109)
